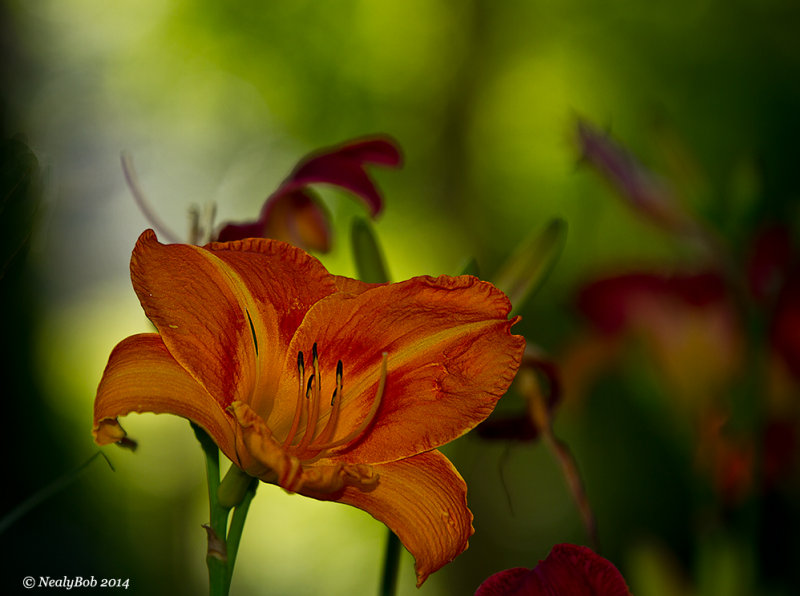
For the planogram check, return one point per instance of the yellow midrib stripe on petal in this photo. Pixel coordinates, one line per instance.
(256, 324)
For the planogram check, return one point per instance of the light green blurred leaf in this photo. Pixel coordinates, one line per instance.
(528, 268)
(367, 254)
(471, 268)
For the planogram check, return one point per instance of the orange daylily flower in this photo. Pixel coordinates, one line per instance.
(327, 386)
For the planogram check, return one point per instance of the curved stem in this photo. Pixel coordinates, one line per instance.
(391, 564)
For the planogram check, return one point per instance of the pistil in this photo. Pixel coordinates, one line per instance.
(298, 411)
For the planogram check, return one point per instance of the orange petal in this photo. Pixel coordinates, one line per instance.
(284, 282)
(352, 286)
(267, 460)
(142, 376)
(216, 307)
(423, 500)
(451, 356)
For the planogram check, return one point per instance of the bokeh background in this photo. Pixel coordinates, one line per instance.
(216, 101)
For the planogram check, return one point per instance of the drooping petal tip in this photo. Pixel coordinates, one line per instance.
(142, 376)
(344, 165)
(422, 499)
(108, 431)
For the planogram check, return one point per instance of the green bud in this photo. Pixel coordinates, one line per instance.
(233, 487)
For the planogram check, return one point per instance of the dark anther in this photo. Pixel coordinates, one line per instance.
(310, 383)
(252, 330)
(315, 360)
(300, 364)
(339, 373)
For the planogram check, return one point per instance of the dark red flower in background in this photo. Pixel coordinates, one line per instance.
(705, 331)
(294, 213)
(568, 570)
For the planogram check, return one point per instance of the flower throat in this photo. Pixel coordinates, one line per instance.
(312, 443)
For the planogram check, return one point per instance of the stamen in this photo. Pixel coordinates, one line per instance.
(339, 368)
(298, 409)
(252, 330)
(313, 407)
(315, 362)
(330, 427)
(365, 424)
(308, 387)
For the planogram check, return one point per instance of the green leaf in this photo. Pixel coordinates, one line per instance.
(471, 268)
(528, 268)
(367, 254)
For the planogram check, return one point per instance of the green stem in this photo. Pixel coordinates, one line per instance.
(48, 491)
(216, 557)
(237, 525)
(223, 543)
(391, 565)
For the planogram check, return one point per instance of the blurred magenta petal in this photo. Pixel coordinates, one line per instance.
(780, 450)
(294, 214)
(607, 303)
(345, 166)
(614, 303)
(641, 188)
(688, 324)
(297, 217)
(785, 331)
(769, 261)
(774, 281)
(568, 569)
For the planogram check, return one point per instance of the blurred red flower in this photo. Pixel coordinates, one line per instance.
(294, 213)
(568, 569)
